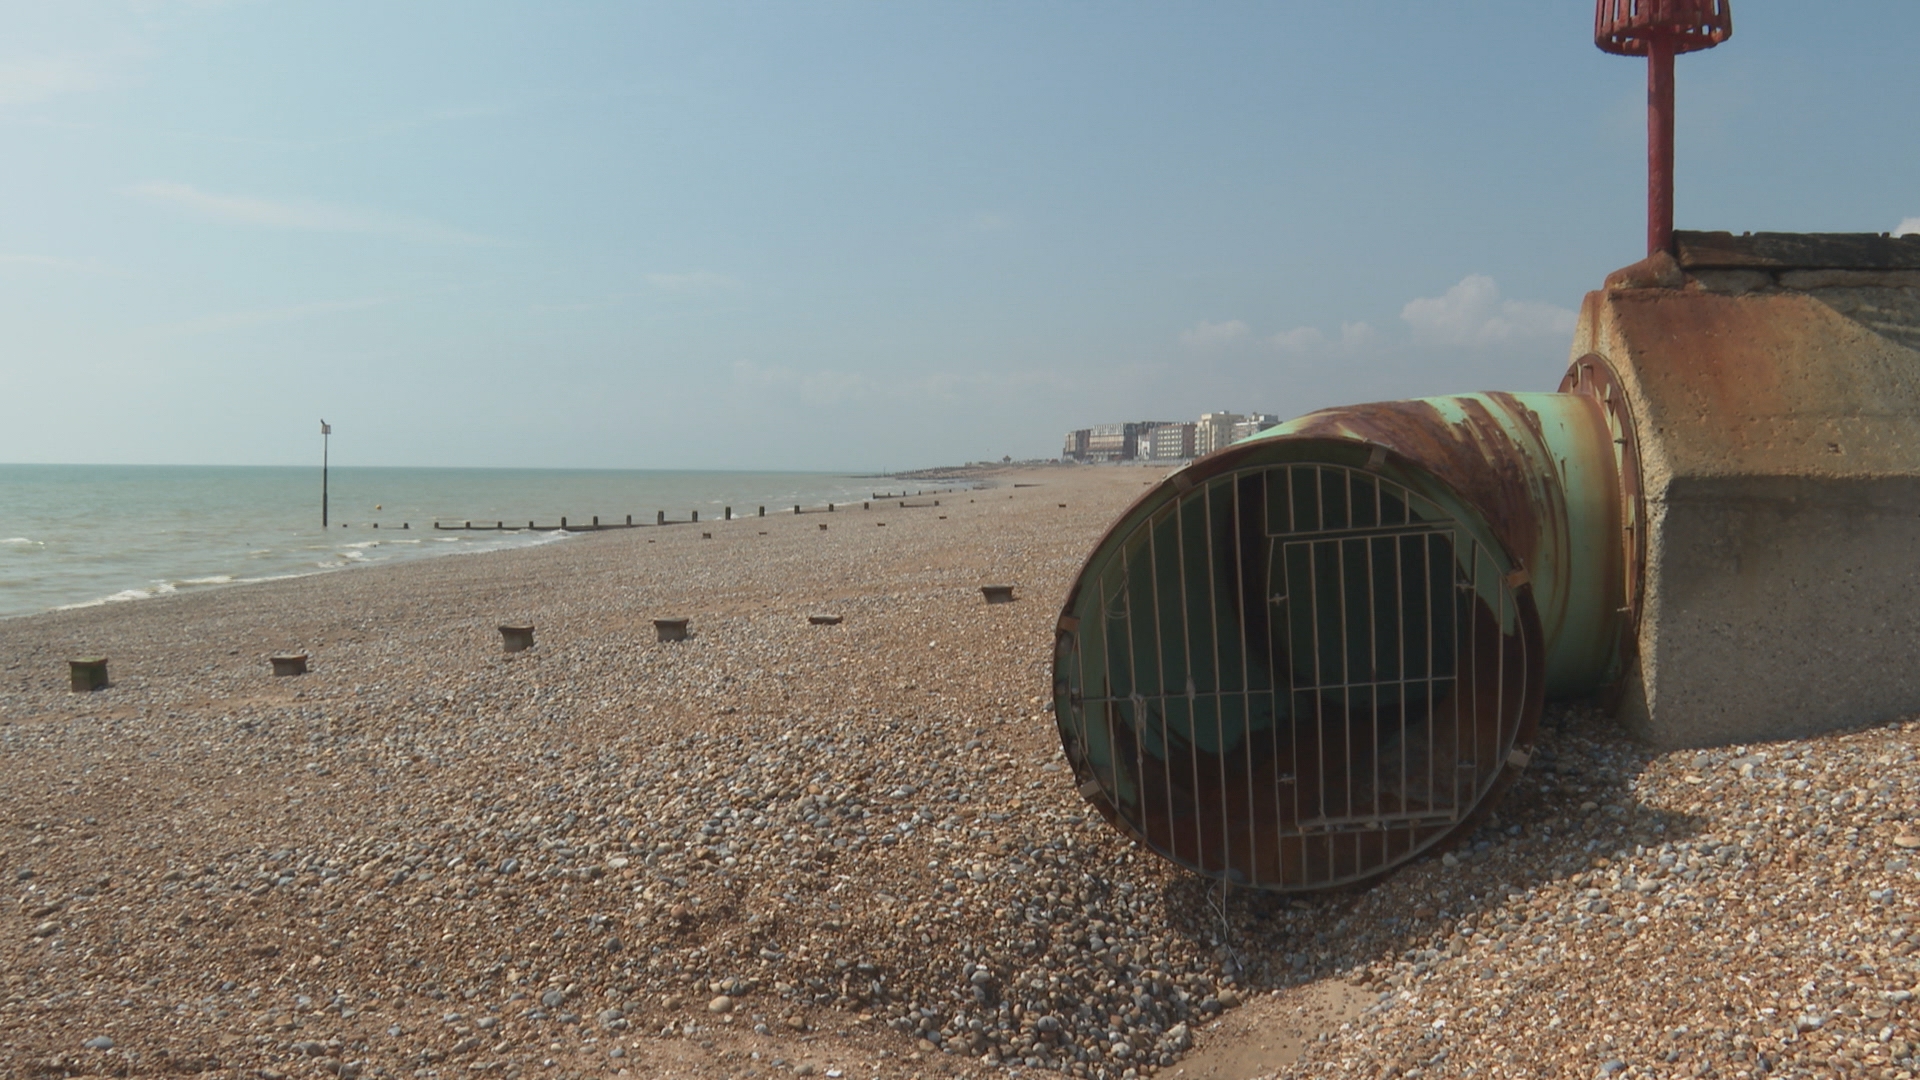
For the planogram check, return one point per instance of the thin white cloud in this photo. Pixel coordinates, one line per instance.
(1298, 339)
(1310, 339)
(239, 320)
(692, 281)
(1472, 313)
(1909, 227)
(41, 77)
(1213, 335)
(296, 215)
(1357, 335)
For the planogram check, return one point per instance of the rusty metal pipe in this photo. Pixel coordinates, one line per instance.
(1317, 654)
(1540, 468)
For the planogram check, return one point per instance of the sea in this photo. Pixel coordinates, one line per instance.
(79, 535)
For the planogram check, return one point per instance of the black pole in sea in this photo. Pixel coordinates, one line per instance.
(326, 431)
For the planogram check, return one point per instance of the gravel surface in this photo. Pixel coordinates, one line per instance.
(852, 850)
(1739, 912)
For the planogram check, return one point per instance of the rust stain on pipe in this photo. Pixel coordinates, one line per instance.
(1470, 456)
(1496, 451)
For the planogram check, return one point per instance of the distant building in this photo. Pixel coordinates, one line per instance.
(1253, 424)
(1113, 442)
(1161, 440)
(1214, 431)
(1171, 442)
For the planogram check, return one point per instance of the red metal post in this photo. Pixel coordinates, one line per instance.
(1659, 30)
(1659, 143)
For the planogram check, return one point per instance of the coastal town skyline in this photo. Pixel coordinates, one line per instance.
(1163, 440)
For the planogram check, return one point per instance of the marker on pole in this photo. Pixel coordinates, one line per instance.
(326, 430)
(1660, 31)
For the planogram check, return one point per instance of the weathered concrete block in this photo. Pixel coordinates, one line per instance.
(1778, 433)
(1782, 606)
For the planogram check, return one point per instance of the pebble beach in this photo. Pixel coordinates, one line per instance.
(848, 848)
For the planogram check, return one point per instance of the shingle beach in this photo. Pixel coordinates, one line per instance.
(850, 849)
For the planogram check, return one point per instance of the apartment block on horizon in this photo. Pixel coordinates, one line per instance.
(1171, 442)
(1213, 431)
(1112, 442)
(1252, 424)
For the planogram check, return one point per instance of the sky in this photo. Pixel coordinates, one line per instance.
(852, 236)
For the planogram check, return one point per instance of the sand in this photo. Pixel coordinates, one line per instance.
(779, 848)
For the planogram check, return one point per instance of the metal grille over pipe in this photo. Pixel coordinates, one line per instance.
(1297, 677)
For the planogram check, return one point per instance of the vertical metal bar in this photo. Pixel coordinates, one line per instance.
(1219, 719)
(1433, 699)
(1373, 727)
(1473, 669)
(1346, 662)
(1160, 660)
(1186, 645)
(1470, 738)
(1371, 677)
(1246, 670)
(1493, 758)
(1107, 691)
(1520, 700)
(1346, 667)
(1213, 590)
(1293, 526)
(1373, 660)
(1133, 681)
(1659, 142)
(1319, 695)
(1187, 631)
(1298, 681)
(1453, 631)
(1284, 640)
(1080, 657)
(1293, 652)
(1298, 672)
(1400, 613)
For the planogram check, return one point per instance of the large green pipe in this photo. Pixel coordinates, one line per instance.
(1540, 469)
(1309, 657)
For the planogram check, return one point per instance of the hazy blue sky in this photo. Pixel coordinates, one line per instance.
(851, 235)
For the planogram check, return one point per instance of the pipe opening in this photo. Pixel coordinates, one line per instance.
(1297, 676)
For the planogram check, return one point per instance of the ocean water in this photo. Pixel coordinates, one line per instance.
(74, 535)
